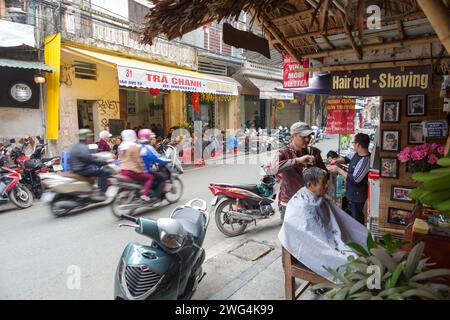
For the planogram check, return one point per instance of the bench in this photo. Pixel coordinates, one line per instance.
(294, 269)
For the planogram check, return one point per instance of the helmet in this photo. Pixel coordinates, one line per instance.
(105, 134)
(146, 134)
(269, 181)
(84, 133)
(128, 135)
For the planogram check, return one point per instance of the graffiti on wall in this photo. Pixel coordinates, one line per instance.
(107, 109)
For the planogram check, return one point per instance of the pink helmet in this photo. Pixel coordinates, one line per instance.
(146, 134)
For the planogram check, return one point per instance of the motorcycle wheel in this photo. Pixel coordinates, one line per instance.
(222, 219)
(55, 210)
(21, 196)
(176, 191)
(123, 197)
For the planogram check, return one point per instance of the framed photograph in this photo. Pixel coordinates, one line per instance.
(390, 140)
(389, 167)
(416, 105)
(415, 133)
(398, 216)
(132, 110)
(399, 193)
(391, 111)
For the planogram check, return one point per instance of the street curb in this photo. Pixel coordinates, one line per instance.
(251, 272)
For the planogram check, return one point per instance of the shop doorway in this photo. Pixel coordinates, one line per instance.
(85, 114)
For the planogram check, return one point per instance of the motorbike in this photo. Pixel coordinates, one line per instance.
(10, 187)
(170, 267)
(128, 198)
(237, 205)
(170, 152)
(68, 192)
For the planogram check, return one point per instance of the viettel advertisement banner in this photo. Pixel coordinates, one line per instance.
(340, 115)
(292, 76)
(382, 82)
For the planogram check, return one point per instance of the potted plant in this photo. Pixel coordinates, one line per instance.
(401, 274)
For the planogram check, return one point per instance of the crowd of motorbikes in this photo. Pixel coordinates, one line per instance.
(170, 266)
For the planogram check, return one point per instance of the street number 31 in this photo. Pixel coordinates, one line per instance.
(128, 73)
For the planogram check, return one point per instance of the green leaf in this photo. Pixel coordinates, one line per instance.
(387, 240)
(324, 286)
(358, 286)
(399, 255)
(395, 296)
(341, 294)
(365, 295)
(336, 275)
(420, 293)
(392, 281)
(358, 248)
(385, 258)
(391, 291)
(370, 242)
(378, 263)
(376, 298)
(413, 259)
(430, 274)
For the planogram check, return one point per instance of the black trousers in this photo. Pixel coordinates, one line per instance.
(355, 209)
(160, 179)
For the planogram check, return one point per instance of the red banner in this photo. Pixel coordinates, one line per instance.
(340, 115)
(292, 76)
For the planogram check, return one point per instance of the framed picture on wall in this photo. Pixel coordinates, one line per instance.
(399, 193)
(390, 140)
(389, 167)
(391, 111)
(415, 133)
(398, 216)
(416, 105)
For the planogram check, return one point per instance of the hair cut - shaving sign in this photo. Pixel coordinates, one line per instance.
(378, 82)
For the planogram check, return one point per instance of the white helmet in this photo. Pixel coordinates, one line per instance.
(104, 134)
(129, 135)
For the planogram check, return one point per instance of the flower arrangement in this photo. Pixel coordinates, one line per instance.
(421, 158)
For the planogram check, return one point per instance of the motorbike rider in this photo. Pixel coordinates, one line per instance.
(131, 164)
(84, 164)
(147, 138)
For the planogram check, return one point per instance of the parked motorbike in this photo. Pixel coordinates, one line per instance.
(68, 192)
(10, 187)
(170, 267)
(128, 198)
(237, 205)
(170, 152)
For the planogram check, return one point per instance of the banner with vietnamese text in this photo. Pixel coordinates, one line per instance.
(292, 76)
(340, 115)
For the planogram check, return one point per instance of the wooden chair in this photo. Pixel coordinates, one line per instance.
(294, 269)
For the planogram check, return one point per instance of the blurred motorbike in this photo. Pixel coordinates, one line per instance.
(68, 192)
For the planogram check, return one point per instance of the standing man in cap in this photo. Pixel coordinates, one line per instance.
(292, 159)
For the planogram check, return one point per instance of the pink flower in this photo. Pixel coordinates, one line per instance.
(440, 149)
(434, 146)
(432, 159)
(404, 155)
(418, 155)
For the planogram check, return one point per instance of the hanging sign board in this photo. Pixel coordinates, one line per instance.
(435, 129)
(340, 115)
(380, 82)
(292, 76)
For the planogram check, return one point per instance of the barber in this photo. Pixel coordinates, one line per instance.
(291, 160)
(357, 177)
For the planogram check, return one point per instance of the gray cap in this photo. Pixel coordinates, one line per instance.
(301, 128)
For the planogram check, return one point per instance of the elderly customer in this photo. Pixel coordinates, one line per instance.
(103, 143)
(291, 160)
(315, 229)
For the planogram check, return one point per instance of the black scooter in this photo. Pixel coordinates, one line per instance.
(170, 267)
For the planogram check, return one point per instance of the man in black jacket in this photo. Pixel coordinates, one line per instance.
(83, 163)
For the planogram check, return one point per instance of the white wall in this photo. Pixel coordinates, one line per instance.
(17, 122)
(115, 8)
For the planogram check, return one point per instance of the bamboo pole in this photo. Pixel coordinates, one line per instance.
(373, 65)
(439, 17)
(365, 49)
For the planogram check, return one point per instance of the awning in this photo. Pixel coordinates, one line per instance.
(10, 63)
(140, 74)
(267, 89)
(317, 85)
(16, 34)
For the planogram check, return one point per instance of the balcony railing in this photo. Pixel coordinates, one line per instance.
(20, 13)
(113, 35)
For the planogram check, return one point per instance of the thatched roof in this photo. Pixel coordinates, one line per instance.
(303, 28)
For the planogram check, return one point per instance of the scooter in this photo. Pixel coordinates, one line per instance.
(128, 198)
(237, 205)
(170, 267)
(10, 187)
(68, 192)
